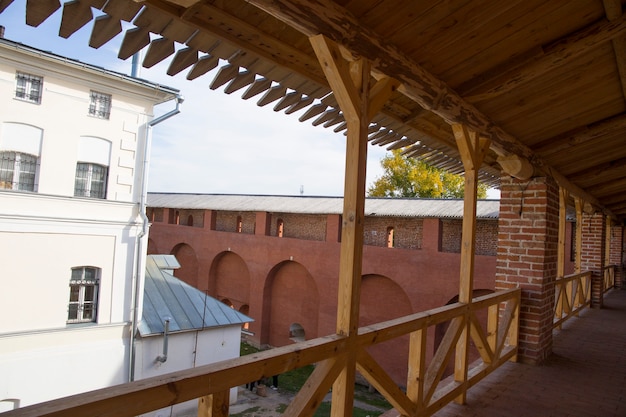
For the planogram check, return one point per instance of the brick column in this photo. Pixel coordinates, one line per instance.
(333, 228)
(527, 258)
(432, 234)
(262, 224)
(592, 254)
(209, 219)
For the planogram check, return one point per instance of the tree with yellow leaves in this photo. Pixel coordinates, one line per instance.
(411, 177)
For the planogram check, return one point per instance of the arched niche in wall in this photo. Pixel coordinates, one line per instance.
(290, 296)
(229, 277)
(188, 261)
(383, 299)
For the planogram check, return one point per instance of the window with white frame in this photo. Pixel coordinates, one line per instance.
(28, 87)
(17, 171)
(100, 105)
(92, 167)
(20, 148)
(91, 180)
(83, 303)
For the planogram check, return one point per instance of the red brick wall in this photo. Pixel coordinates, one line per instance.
(409, 280)
(527, 258)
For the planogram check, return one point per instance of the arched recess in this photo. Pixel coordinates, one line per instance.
(383, 299)
(229, 277)
(188, 261)
(290, 296)
(152, 247)
(440, 330)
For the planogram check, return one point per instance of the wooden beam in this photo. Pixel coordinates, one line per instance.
(335, 22)
(473, 149)
(553, 56)
(214, 405)
(579, 204)
(579, 136)
(350, 82)
(613, 11)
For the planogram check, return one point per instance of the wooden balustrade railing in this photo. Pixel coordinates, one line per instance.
(572, 293)
(427, 390)
(608, 275)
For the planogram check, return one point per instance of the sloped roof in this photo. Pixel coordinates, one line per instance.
(167, 93)
(384, 207)
(187, 308)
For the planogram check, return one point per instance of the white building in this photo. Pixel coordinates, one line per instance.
(73, 140)
(181, 328)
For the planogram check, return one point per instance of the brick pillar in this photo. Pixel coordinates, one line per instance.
(333, 228)
(593, 236)
(432, 234)
(592, 254)
(262, 224)
(527, 258)
(209, 219)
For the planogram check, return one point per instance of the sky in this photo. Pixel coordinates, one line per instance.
(219, 143)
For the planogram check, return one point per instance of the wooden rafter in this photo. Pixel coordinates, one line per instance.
(551, 57)
(432, 94)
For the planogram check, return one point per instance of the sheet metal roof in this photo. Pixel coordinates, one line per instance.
(384, 207)
(187, 308)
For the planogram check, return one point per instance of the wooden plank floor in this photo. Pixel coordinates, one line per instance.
(585, 376)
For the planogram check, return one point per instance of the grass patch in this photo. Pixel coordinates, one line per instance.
(246, 349)
(293, 380)
(281, 408)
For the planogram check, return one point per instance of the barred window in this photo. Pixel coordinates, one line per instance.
(83, 302)
(100, 105)
(91, 180)
(28, 87)
(17, 171)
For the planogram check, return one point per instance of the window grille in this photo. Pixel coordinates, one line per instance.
(17, 171)
(83, 302)
(91, 180)
(100, 105)
(28, 87)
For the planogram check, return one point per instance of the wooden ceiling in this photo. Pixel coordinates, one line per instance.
(544, 80)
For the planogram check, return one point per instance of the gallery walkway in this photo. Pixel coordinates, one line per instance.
(584, 377)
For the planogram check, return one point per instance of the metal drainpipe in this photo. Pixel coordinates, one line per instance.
(144, 231)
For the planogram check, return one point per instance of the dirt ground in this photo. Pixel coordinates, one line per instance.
(250, 404)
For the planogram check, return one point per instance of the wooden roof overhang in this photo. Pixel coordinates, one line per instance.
(545, 81)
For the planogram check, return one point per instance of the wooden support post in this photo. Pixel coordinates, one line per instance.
(350, 82)
(214, 405)
(563, 303)
(579, 233)
(473, 149)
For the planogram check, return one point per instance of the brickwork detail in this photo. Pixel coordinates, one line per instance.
(527, 258)
(593, 238)
(300, 226)
(408, 232)
(486, 237)
(226, 221)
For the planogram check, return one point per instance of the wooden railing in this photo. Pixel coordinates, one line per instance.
(608, 275)
(572, 293)
(427, 390)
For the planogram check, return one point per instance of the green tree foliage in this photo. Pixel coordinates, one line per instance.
(411, 177)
